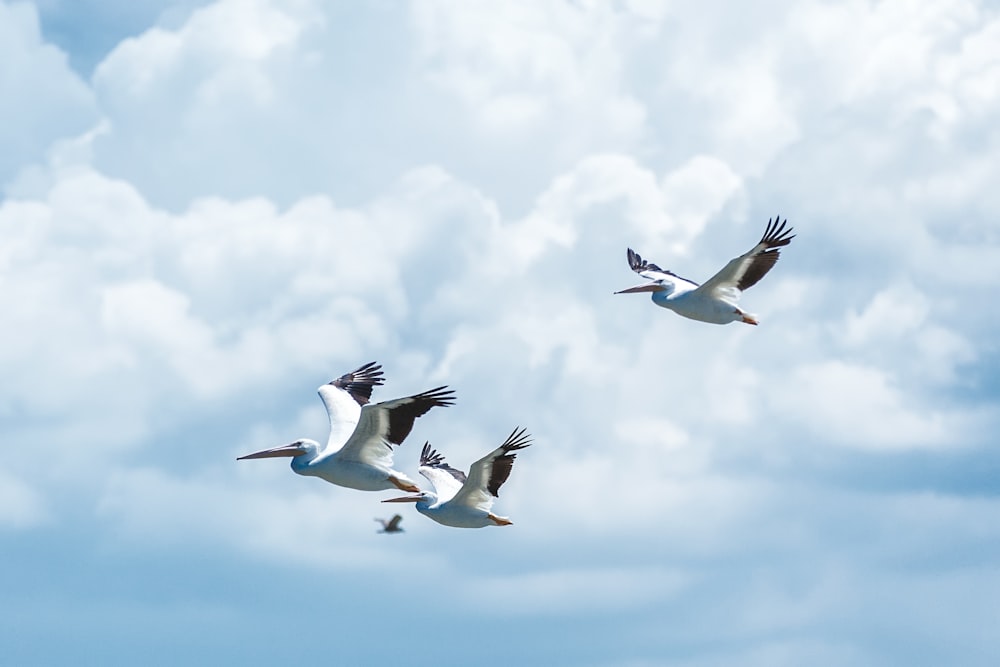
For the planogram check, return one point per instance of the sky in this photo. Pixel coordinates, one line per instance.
(209, 208)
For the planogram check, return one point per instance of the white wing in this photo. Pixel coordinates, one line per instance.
(744, 271)
(488, 473)
(447, 481)
(388, 423)
(651, 271)
(344, 398)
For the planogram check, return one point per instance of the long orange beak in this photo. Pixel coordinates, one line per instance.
(648, 287)
(285, 450)
(405, 499)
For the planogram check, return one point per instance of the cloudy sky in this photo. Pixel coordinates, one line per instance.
(210, 208)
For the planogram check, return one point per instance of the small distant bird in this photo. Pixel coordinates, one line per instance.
(715, 301)
(392, 525)
(358, 453)
(465, 502)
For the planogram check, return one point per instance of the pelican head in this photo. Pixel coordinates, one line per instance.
(422, 499)
(302, 451)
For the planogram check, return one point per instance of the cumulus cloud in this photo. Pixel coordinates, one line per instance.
(46, 100)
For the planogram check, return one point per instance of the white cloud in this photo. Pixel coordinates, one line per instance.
(45, 100)
(859, 406)
(224, 43)
(526, 64)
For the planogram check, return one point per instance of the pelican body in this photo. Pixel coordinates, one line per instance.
(358, 452)
(462, 501)
(716, 301)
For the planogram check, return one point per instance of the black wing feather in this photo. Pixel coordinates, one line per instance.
(775, 236)
(432, 459)
(502, 464)
(638, 264)
(360, 382)
(401, 417)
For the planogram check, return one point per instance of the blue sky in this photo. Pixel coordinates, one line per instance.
(211, 208)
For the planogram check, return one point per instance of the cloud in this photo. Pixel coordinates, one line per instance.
(46, 100)
(858, 406)
(534, 63)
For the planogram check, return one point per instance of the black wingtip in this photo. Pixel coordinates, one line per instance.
(775, 234)
(441, 396)
(360, 382)
(519, 438)
(429, 456)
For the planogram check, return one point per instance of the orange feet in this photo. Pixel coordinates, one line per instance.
(404, 486)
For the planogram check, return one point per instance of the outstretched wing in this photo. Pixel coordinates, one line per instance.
(490, 472)
(344, 398)
(388, 423)
(393, 525)
(747, 269)
(660, 280)
(651, 271)
(446, 480)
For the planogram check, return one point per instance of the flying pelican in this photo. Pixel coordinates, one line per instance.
(391, 525)
(358, 453)
(465, 502)
(715, 301)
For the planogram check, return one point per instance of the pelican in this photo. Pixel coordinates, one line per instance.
(391, 525)
(465, 502)
(715, 301)
(358, 453)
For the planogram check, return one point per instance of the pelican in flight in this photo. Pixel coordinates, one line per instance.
(358, 453)
(391, 525)
(715, 301)
(465, 502)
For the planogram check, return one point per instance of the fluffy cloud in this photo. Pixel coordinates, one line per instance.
(45, 100)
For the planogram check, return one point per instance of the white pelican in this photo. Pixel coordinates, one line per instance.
(358, 453)
(464, 502)
(715, 301)
(391, 525)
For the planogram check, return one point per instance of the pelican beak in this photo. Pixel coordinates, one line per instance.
(404, 499)
(648, 287)
(293, 449)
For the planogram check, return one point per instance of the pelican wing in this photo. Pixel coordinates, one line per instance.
(490, 472)
(344, 398)
(388, 423)
(393, 525)
(660, 280)
(747, 269)
(651, 271)
(447, 481)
